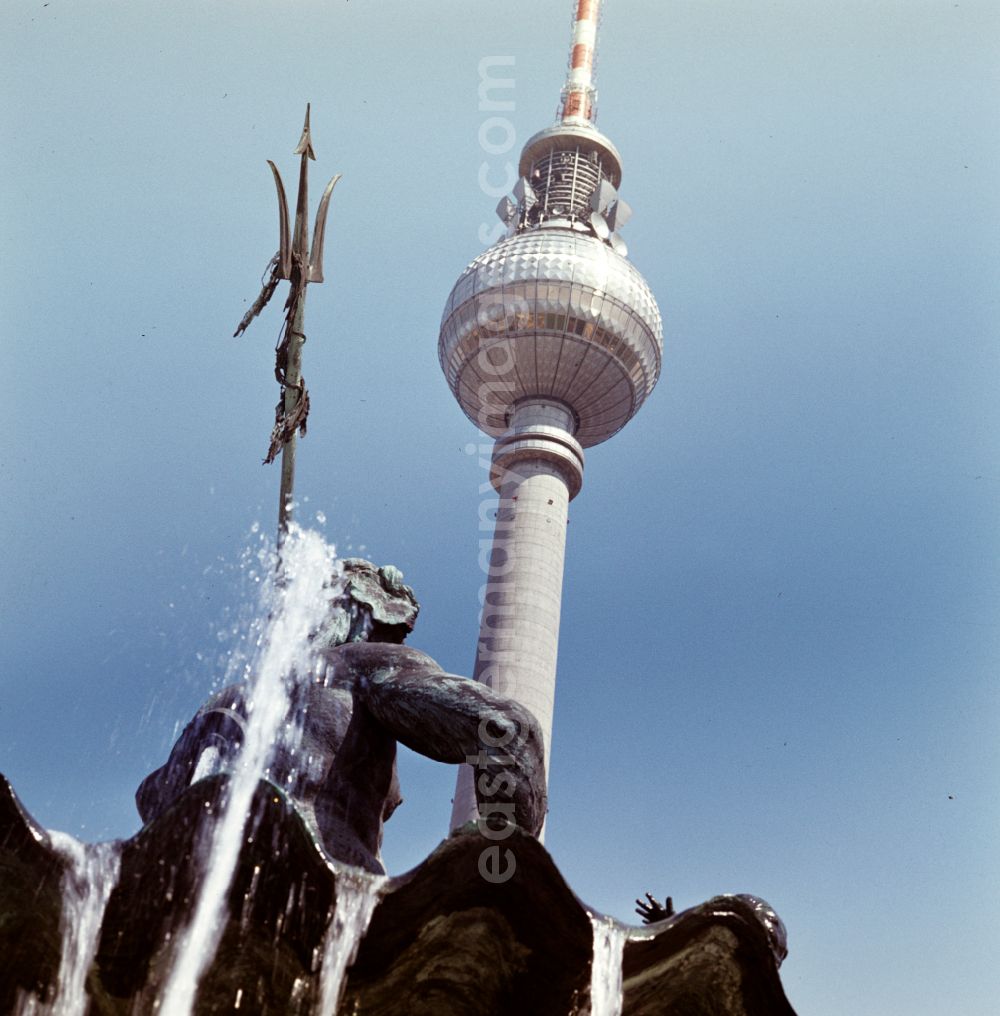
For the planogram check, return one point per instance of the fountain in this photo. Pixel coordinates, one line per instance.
(356, 902)
(289, 935)
(294, 603)
(90, 874)
(606, 967)
(256, 882)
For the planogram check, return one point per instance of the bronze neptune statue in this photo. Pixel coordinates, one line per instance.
(366, 692)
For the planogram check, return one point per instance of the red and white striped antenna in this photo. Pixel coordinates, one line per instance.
(579, 92)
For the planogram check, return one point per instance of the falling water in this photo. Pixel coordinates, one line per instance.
(291, 609)
(357, 895)
(606, 967)
(91, 874)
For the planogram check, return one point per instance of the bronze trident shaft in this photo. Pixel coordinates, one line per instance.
(300, 265)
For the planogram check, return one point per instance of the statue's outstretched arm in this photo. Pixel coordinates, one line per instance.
(452, 719)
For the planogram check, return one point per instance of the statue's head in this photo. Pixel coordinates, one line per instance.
(373, 605)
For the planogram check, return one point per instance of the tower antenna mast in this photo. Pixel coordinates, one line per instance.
(579, 93)
(301, 265)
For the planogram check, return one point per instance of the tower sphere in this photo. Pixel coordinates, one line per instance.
(556, 314)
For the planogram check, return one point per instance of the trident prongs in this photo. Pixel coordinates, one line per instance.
(297, 248)
(319, 233)
(295, 262)
(284, 233)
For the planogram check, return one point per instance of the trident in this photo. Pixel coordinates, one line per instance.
(300, 265)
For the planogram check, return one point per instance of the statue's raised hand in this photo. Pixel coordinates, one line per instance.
(654, 911)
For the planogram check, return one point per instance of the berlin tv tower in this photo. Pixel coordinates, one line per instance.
(550, 341)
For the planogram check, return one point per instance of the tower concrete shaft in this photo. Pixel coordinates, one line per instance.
(537, 469)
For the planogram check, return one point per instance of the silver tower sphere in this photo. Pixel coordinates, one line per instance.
(550, 341)
(555, 310)
(555, 307)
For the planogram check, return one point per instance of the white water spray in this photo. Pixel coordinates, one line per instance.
(357, 894)
(292, 608)
(606, 967)
(91, 875)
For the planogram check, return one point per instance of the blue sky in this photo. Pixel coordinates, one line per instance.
(780, 638)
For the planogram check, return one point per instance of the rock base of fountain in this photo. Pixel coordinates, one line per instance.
(443, 939)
